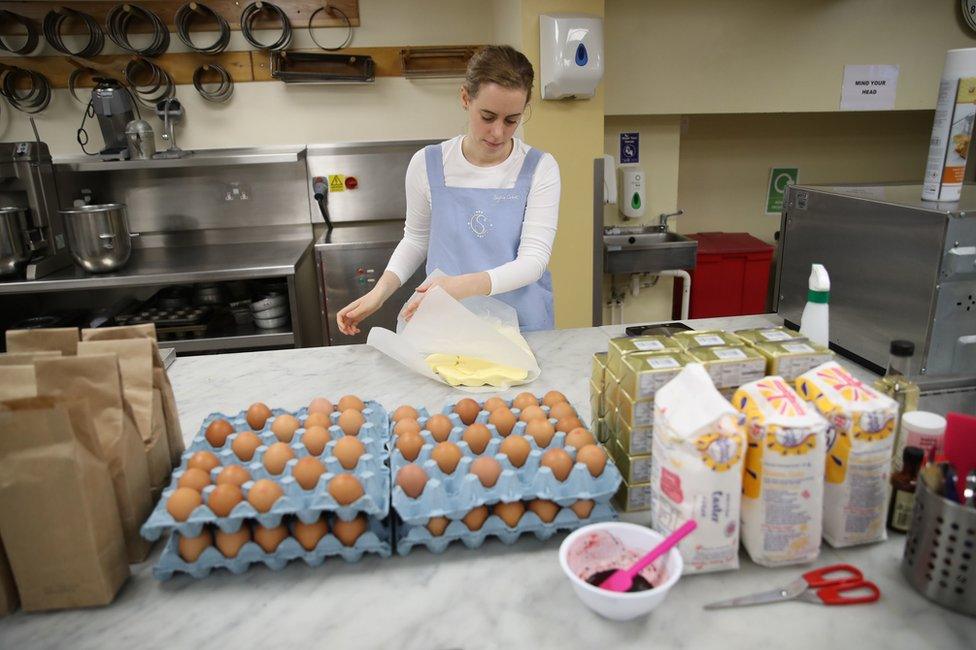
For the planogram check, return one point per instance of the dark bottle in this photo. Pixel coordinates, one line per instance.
(903, 484)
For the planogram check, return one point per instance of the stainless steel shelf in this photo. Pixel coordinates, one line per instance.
(248, 338)
(195, 158)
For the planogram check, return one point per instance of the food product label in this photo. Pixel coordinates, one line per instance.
(649, 346)
(733, 375)
(902, 513)
(709, 339)
(643, 414)
(952, 130)
(775, 335)
(730, 353)
(797, 348)
(661, 363)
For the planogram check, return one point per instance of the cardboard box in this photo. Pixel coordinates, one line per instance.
(731, 366)
(618, 348)
(634, 469)
(791, 359)
(633, 498)
(645, 372)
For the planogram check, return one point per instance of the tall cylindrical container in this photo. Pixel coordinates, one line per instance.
(952, 128)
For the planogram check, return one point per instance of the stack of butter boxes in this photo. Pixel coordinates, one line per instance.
(726, 358)
(788, 354)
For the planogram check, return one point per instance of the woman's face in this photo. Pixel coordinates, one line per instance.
(493, 117)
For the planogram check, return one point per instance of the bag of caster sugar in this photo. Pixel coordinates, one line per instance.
(859, 443)
(696, 469)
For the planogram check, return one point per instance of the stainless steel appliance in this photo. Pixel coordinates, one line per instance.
(171, 112)
(363, 200)
(14, 251)
(900, 268)
(140, 140)
(98, 236)
(114, 109)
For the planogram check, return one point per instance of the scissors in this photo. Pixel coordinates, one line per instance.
(828, 585)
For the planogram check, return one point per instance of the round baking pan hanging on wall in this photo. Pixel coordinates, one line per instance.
(252, 12)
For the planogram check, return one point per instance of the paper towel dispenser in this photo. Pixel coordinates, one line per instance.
(571, 47)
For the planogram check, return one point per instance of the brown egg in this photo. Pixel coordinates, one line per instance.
(245, 444)
(318, 420)
(351, 421)
(194, 478)
(269, 538)
(562, 410)
(315, 439)
(475, 519)
(553, 397)
(593, 457)
(284, 427)
(582, 508)
(277, 456)
(412, 479)
(257, 415)
(503, 419)
(447, 455)
(568, 424)
(263, 494)
(345, 489)
(351, 402)
(348, 532)
(523, 400)
(229, 544)
(532, 412)
(223, 498)
(234, 475)
(437, 525)
(477, 437)
(405, 412)
(579, 438)
(510, 513)
(494, 403)
(307, 472)
(545, 510)
(467, 409)
(559, 462)
(320, 405)
(203, 460)
(541, 431)
(191, 548)
(487, 469)
(517, 449)
(409, 445)
(406, 425)
(182, 502)
(308, 535)
(347, 451)
(440, 427)
(217, 432)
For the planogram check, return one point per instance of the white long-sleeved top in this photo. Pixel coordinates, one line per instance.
(538, 227)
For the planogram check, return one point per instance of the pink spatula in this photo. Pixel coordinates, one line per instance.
(622, 579)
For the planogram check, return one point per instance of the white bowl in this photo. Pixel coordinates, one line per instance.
(615, 605)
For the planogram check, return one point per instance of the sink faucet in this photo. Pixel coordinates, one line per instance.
(664, 216)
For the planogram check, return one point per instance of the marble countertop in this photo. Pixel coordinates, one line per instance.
(496, 596)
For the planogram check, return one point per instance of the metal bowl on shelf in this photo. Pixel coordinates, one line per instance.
(14, 252)
(98, 236)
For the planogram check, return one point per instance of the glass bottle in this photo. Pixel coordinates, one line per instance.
(903, 485)
(898, 385)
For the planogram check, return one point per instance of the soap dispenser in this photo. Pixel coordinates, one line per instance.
(632, 197)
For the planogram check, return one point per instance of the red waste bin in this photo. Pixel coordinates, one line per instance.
(731, 277)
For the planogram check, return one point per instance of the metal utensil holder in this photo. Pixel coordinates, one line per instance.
(940, 551)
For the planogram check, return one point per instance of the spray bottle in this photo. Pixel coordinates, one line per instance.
(814, 321)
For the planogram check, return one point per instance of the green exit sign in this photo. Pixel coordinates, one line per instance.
(779, 179)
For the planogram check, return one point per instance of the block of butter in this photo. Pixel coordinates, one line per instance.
(859, 448)
(634, 413)
(599, 367)
(600, 429)
(705, 339)
(610, 386)
(618, 348)
(790, 359)
(633, 498)
(645, 372)
(634, 441)
(597, 409)
(730, 366)
(635, 469)
(769, 335)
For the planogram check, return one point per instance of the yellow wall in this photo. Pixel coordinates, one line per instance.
(572, 131)
(684, 57)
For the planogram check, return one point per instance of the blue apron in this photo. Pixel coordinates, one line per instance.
(475, 229)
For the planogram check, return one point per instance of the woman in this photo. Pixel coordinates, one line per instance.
(481, 207)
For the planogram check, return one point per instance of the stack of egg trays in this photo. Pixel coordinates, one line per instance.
(454, 495)
(306, 505)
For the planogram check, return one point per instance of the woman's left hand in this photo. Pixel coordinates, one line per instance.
(458, 286)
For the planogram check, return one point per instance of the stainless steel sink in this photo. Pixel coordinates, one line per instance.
(646, 249)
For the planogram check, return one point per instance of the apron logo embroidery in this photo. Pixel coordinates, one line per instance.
(479, 224)
(507, 197)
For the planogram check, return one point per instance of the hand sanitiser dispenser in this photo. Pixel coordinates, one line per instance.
(571, 48)
(632, 184)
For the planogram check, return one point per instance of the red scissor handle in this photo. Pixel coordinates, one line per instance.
(837, 594)
(833, 574)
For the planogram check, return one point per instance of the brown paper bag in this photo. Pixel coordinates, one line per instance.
(174, 433)
(17, 382)
(61, 530)
(9, 600)
(64, 339)
(25, 358)
(96, 378)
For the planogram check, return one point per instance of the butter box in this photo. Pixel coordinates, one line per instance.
(791, 359)
(635, 413)
(705, 339)
(610, 387)
(599, 366)
(634, 441)
(769, 335)
(601, 430)
(634, 469)
(620, 347)
(633, 498)
(731, 366)
(645, 372)
(597, 407)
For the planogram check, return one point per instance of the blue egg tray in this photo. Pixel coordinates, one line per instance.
(409, 536)
(376, 539)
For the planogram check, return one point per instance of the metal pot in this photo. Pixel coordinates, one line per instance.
(98, 236)
(14, 251)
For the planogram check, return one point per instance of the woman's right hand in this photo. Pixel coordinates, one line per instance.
(355, 312)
